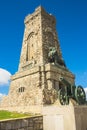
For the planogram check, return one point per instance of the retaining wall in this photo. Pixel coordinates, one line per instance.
(33, 123)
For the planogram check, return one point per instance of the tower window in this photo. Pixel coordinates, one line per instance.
(21, 89)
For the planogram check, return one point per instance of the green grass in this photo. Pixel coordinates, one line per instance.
(11, 115)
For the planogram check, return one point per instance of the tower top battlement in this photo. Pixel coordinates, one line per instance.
(38, 11)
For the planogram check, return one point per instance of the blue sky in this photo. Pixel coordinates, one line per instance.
(71, 17)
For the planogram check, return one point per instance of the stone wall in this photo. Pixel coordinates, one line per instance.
(33, 123)
(49, 35)
(35, 87)
(40, 34)
(81, 117)
(25, 89)
(66, 117)
(24, 109)
(31, 52)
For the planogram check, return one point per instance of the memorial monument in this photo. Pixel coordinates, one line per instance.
(43, 83)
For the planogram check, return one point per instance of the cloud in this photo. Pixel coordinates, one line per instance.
(4, 77)
(1, 96)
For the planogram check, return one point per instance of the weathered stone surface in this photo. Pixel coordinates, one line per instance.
(34, 92)
(67, 117)
(33, 123)
(34, 88)
(36, 83)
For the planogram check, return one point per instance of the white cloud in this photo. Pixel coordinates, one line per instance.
(4, 77)
(1, 96)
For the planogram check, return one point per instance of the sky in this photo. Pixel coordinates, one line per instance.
(71, 26)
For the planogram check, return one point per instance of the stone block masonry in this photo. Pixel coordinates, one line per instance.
(36, 82)
(34, 87)
(33, 123)
(67, 117)
(40, 86)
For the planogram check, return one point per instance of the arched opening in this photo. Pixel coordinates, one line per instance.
(30, 46)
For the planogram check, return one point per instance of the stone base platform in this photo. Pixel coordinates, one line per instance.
(65, 117)
(57, 117)
(35, 109)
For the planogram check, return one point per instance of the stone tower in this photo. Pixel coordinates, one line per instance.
(40, 34)
(36, 86)
(37, 81)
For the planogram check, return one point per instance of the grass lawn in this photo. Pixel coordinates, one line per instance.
(10, 115)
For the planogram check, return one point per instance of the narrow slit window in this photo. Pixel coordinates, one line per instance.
(21, 89)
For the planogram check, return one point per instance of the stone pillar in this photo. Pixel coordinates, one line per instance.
(43, 77)
(50, 84)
